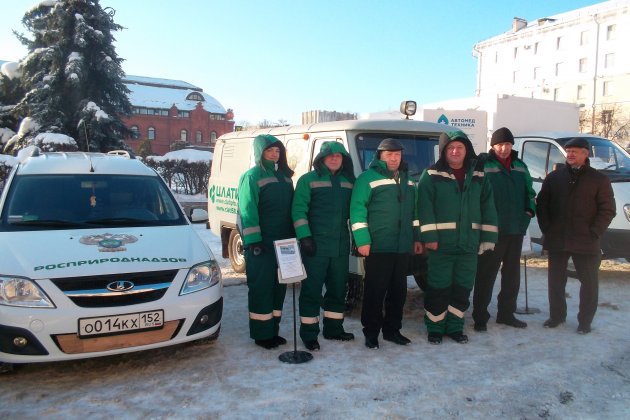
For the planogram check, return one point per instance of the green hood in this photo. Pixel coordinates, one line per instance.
(328, 148)
(265, 141)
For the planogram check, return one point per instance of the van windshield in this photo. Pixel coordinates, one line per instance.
(607, 156)
(420, 150)
(54, 202)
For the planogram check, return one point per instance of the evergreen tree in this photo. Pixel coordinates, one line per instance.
(11, 92)
(73, 76)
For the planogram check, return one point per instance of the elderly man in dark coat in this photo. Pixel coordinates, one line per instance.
(575, 206)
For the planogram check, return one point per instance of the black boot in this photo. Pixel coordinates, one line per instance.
(268, 344)
(311, 345)
(344, 336)
(435, 338)
(396, 337)
(280, 340)
(511, 321)
(371, 342)
(459, 337)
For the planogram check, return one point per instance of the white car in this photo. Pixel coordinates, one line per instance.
(97, 258)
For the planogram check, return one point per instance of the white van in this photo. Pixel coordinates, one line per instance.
(97, 258)
(544, 150)
(233, 155)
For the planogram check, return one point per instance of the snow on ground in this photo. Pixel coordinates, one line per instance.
(504, 373)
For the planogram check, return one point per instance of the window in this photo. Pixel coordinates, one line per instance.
(559, 43)
(213, 137)
(556, 94)
(151, 133)
(183, 135)
(183, 114)
(536, 45)
(608, 87)
(611, 32)
(536, 73)
(541, 158)
(515, 51)
(217, 117)
(581, 91)
(195, 96)
(583, 65)
(555, 157)
(515, 76)
(584, 38)
(198, 137)
(559, 69)
(135, 132)
(609, 60)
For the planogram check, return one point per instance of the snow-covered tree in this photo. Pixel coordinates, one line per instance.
(72, 75)
(11, 92)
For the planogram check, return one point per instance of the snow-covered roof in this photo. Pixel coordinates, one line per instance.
(163, 93)
(188, 155)
(161, 82)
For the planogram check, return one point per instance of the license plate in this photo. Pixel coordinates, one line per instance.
(115, 324)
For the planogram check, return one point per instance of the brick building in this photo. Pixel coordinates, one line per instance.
(167, 111)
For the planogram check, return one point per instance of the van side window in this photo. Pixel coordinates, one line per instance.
(535, 157)
(555, 157)
(296, 152)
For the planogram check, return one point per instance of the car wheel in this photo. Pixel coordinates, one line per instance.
(235, 252)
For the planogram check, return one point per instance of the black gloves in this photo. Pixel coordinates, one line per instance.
(308, 247)
(257, 248)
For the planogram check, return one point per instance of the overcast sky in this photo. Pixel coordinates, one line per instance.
(274, 59)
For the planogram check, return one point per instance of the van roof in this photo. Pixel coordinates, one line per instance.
(366, 125)
(557, 135)
(82, 163)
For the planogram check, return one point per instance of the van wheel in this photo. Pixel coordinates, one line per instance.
(235, 252)
(6, 367)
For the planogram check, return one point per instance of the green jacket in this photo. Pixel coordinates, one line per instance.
(321, 204)
(458, 219)
(382, 210)
(513, 193)
(264, 197)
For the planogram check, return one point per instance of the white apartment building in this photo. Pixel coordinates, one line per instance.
(581, 56)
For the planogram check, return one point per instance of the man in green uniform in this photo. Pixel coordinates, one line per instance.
(458, 220)
(385, 229)
(265, 193)
(321, 207)
(514, 199)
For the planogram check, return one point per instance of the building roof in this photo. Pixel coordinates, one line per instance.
(150, 92)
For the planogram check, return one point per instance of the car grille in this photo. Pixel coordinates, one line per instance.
(92, 291)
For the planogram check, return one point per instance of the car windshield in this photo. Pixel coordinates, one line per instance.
(53, 202)
(420, 151)
(606, 156)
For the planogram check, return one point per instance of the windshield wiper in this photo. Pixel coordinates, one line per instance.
(124, 221)
(47, 222)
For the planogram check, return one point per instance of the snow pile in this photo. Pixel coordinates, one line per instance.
(188, 155)
(27, 126)
(5, 135)
(8, 160)
(11, 70)
(26, 152)
(53, 139)
(98, 112)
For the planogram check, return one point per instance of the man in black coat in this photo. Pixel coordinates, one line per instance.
(575, 206)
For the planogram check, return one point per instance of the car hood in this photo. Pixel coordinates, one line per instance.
(81, 252)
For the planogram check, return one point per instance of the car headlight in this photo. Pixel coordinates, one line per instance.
(18, 291)
(201, 277)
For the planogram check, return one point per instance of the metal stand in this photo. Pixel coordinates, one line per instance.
(295, 357)
(526, 310)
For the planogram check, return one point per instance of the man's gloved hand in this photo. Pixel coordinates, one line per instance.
(257, 248)
(486, 246)
(308, 247)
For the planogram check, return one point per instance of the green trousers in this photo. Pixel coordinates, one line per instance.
(450, 279)
(265, 296)
(331, 272)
